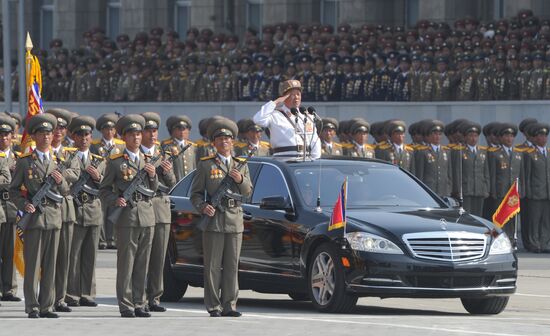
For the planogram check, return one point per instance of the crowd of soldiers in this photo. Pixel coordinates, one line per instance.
(506, 59)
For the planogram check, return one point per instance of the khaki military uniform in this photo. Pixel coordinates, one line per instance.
(8, 279)
(434, 168)
(426, 86)
(404, 158)
(483, 84)
(204, 149)
(537, 173)
(334, 148)
(89, 219)
(442, 86)
(504, 169)
(466, 88)
(185, 163)
(471, 176)
(242, 148)
(134, 229)
(222, 236)
(163, 218)
(356, 150)
(42, 233)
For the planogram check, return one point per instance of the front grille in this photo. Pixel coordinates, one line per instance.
(446, 245)
(449, 281)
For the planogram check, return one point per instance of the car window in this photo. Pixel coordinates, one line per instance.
(368, 185)
(270, 182)
(184, 186)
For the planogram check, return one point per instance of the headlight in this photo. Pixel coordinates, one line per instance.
(362, 241)
(501, 245)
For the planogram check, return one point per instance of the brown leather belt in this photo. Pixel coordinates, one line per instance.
(298, 148)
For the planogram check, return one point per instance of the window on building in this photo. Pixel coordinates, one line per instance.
(113, 18)
(412, 9)
(329, 12)
(46, 23)
(182, 17)
(499, 9)
(254, 14)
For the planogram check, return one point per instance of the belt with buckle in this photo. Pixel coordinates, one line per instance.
(298, 148)
(231, 203)
(5, 195)
(138, 197)
(86, 198)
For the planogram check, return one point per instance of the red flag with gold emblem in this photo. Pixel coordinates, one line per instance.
(509, 207)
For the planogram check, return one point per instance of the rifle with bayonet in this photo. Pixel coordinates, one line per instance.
(171, 158)
(224, 191)
(45, 192)
(137, 185)
(82, 184)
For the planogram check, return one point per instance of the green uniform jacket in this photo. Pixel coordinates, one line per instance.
(472, 170)
(242, 149)
(210, 173)
(71, 175)
(405, 159)
(185, 163)
(434, 169)
(90, 213)
(30, 172)
(504, 170)
(9, 207)
(119, 174)
(537, 174)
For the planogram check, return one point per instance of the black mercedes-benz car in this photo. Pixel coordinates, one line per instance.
(401, 239)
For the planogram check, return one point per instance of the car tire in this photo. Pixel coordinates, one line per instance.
(486, 306)
(299, 296)
(174, 289)
(326, 282)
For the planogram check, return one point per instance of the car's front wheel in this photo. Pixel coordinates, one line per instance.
(485, 306)
(326, 282)
(174, 289)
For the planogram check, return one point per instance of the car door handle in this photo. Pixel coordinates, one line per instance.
(247, 216)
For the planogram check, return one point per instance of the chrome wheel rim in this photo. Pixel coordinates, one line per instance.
(322, 278)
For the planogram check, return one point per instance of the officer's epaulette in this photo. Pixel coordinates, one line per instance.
(384, 146)
(167, 141)
(452, 145)
(118, 141)
(61, 158)
(96, 142)
(347, 145)
(240, 159)
(337, 144)
(445, 147)
(157, 143)
(240, 144)
(98, 156)
(422, 147)
(409, 148)
(521, 150)
(208, 157)
(201, 143)
(25, 155)
(483, 147)
(69, 149)
(493, 149)
(529, 150)
(372, 147)
(2, 154)
(521, 146)
(265, 143)
(458, 147)
(115, 156)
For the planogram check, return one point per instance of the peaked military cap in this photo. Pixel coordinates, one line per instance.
(178, 121)
(433, 126)
(16, 117)
(538, 128)
(359, 126)
(82, 124)
(330, 123)
(288, 85)
(106, 120)
(526, 122)
(221, 127)
(63, 116)
(469, 127)
(396, 126)
(7, 124)
(129, 123)
(152, 120)
(42, 122)
(507, 128)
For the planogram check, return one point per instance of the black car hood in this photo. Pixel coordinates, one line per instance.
(399, 222)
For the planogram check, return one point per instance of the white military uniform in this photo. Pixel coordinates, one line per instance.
(287, 133)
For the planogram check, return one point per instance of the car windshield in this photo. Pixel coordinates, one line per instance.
(369, 185)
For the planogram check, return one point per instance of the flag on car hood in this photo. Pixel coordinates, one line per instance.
(338, 217)
(509, 206)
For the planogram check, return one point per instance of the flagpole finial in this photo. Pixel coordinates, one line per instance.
(28, 43)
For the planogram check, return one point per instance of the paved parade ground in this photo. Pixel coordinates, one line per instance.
(528, 313)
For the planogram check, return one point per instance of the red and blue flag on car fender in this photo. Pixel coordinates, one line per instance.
(338, 217)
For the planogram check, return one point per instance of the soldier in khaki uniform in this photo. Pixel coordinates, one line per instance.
(537, 173)
(329, 147)
(505, 166)
(8, 280)
(106, 146)
(137, 216)
(68, 216)
(222, 236)
(252, 134)
(179, 128)
(433, 161)
(204, 146)
(358, 147)
(395, 150)
(81, 288)
(42, 232)
(16, 137)
(470, 169)
(161, 203)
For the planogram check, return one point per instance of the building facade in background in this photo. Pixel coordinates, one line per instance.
(69, 19)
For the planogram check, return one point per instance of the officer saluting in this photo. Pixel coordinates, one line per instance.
(42, 232)
(289, 133)
(222, 236)
(135, 223)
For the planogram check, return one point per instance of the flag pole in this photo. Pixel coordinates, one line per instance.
(345, 205)
(516, 219)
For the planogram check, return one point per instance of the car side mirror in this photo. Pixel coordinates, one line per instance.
(451, 202)
(274, 203)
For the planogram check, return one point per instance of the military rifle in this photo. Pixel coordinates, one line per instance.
(172, 158)
(45, 193)
(82, 183)
(224, 190)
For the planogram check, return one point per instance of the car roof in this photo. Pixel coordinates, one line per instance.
(339, 160)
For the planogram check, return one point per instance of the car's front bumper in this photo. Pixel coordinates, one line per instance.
(384, 275)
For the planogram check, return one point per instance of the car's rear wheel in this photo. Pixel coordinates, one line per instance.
(326, 282)
(485, 306)
(299, 296)
(174, 289)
